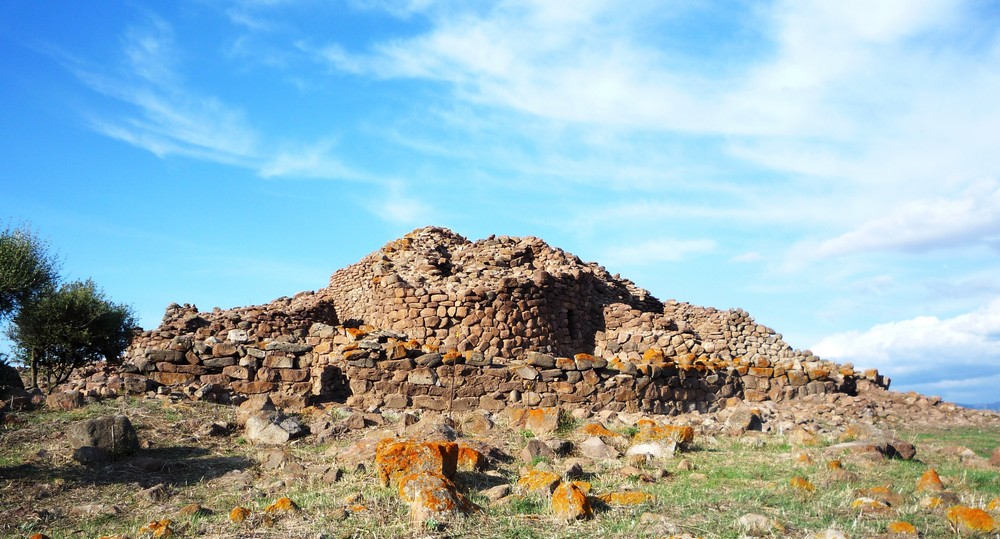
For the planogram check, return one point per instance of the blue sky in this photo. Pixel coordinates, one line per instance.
(831, 167)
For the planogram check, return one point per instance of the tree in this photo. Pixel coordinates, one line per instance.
(27, 270)
(66, 328)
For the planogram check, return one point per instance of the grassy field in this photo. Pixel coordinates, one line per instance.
(722, 479)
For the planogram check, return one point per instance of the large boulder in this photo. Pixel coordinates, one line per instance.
(112, 434)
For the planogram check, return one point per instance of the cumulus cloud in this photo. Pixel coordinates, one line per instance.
(925, 349)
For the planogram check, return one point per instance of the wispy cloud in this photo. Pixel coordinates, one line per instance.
(971, 218)
(657, 251)
(168, 117)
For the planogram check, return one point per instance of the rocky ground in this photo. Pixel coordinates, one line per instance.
(882, 464)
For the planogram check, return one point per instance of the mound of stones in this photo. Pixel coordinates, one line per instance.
(438, 322)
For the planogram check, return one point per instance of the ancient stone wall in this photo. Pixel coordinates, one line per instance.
(433, 320)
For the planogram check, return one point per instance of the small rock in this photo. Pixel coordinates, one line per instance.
(65, 400)
(193, 509)
(155, 493)
(755, 525)
(536, 448)
(656, 450)
(569, 502)
(929, 481)
(595, 448)
(495, 493)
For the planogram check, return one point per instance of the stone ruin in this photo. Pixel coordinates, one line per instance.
(435, 321)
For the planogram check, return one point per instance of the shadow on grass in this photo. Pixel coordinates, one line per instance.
(171, 466)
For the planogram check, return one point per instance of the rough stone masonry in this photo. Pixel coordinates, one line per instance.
(435, 321)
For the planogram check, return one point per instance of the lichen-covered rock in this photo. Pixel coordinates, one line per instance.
(395, 459)
(538, 482)
(902, 528)
(930, 481)
(970, 521)
(802, 485)
(431, 496)
(470, 460)
(569, 502)
(239, 514)
(651, 431)
(282, 505)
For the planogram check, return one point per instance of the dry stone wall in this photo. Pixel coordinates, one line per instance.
(435, 321)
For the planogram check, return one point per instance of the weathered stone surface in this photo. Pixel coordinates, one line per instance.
(595, 448)
(113, 434)
(395, 459)
(656, 450)
(521, 322)
(569, 502)
(432, 497)
(64, 400)
(538, 482)
(270, 428)
(536, 448)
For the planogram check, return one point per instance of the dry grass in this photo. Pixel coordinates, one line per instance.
(43, 490)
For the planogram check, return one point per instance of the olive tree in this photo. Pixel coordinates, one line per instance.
(27, 270)
(67, 328)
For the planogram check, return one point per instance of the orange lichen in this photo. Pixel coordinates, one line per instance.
(39, 536)
(971, 520)
(930, 480)
(432, 495)
(802, 484)
(239, 514)
(451, 358)
(538, 481)
(583, 485)
(901, 527)
(870, 506)
(357, 333)
(835, 465)
(394, 459)
(653, 355)
(159, 529)
(622, 499)
(282, 504)
(570, 503)
(650, 431)
(470, 460)
(597, 429)
(803, 457)
(993, 505)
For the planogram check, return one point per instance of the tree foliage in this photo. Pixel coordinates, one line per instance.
(27, 270)
(68, 328)
(55, 328)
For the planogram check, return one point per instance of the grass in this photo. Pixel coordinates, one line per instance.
(42, 489)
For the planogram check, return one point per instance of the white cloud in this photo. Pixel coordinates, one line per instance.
(750, 256)
(398, 206)
(924, 348)
(656, 251)
(312, 161)
(971, 218)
